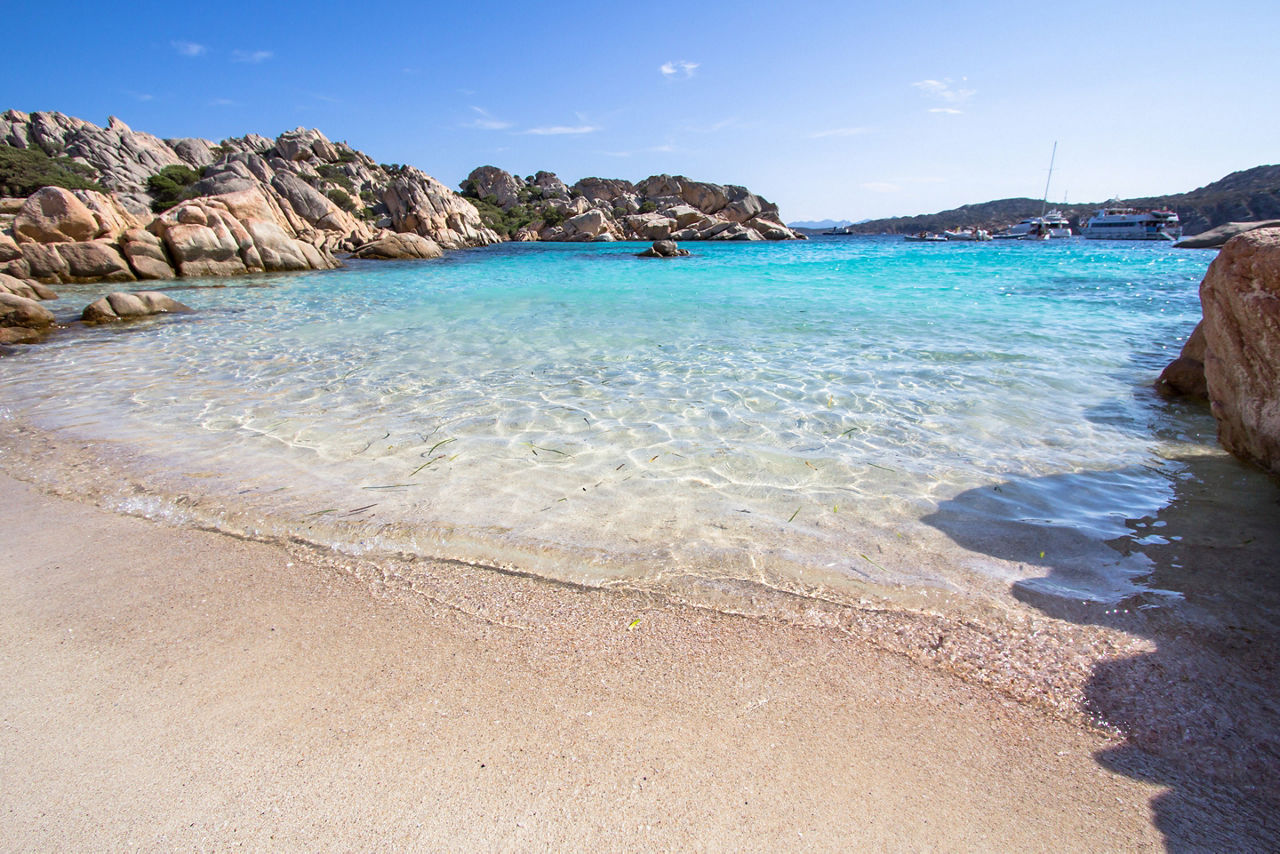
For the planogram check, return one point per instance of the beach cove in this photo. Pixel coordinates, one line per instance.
(947, 458)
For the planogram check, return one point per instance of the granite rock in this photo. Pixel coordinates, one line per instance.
(130, 306)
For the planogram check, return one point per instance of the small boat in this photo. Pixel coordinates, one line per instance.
(1048, 225)
(967, 234)
(1118, 222)
(924, 237)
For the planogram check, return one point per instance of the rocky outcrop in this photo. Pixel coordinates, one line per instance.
(1240, 296)
(659, 207)
(120, 305)
(1218, 237)
(420, 204)
(663, 249)
(22, 320)
(396, 247)
(25, 288)
(234, 233)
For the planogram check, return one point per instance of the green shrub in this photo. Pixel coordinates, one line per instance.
(171, 185)
(342, 199)
(553, 216)
(25, 170)
(335, 175)
(648, 207)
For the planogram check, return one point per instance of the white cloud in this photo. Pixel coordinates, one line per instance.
(950, 111)
(486, 121)
(558, 130)
(838, 132)
(880, 187)
(681, 68)
(252, 56)
(140, 96)
(223, 102)
(945, 90)
(189, 48)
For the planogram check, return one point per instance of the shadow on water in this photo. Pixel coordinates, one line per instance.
(1199, 575)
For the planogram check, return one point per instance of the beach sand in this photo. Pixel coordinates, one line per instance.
(169, 688)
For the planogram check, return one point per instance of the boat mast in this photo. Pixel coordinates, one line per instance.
(1044, 203)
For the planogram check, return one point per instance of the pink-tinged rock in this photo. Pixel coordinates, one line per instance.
(44, 262)
(145, 254)
(25, 288)
(400, 246)
(1240, 296)
(1184, 376)
(23, 312)
(130, 306)
(54, 215)
(94, 261)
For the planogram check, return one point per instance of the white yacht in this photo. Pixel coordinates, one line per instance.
(1052, 224)
(1117, 222)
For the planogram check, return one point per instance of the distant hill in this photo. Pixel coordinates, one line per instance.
(1251, 194)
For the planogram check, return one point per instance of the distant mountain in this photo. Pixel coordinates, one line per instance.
(1251, 194)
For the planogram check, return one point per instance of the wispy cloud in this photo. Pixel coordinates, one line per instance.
(223, 102)
(838, 132)
(680, 69)
(139, 96)
(251, 56)
(486, 121)
(880, 187)
(947, 92)
(188, 48)
(559, 130)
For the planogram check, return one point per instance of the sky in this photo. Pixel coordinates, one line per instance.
(841, 110)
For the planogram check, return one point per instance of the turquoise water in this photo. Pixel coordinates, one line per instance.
(841, 415)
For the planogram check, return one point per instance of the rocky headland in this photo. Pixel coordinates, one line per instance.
(661, 207)
(141, 208)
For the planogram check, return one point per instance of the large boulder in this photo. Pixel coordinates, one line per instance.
(663, 249)
(145, 253)
(587, 224)
(54, 215)
(130, 306)
(25, 288)
(94, 261)
(393, 247)
(22, 320)
(501, 185)
(1240, 296)
(44, 263)
(420, 204)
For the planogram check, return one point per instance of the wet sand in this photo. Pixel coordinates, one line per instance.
(170, 688)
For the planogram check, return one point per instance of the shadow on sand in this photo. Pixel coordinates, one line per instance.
(1200, 577)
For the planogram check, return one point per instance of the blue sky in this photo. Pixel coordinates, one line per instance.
(841, 110)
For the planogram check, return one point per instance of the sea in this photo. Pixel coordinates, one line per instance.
(848, 419)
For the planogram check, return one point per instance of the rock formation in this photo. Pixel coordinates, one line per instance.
(1240, 296)
(1217, 237)
(660, 207)
(663, 249)
(1184, 376)
(120, 305)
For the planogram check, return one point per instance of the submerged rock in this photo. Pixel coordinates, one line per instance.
(130, 306)
(1184, 376)
(663, 249)
(22, 320)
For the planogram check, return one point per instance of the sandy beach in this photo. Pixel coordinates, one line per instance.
(167, 688)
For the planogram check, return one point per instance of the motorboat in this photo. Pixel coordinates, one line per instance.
(967, 234)
(1116, 221)
(924, 237)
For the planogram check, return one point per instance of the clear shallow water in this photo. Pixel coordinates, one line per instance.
(834, 416)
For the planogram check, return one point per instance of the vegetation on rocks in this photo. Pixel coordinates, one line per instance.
(171, 185)
(25, 170)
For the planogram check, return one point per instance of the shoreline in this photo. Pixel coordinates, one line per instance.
(216, 691)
